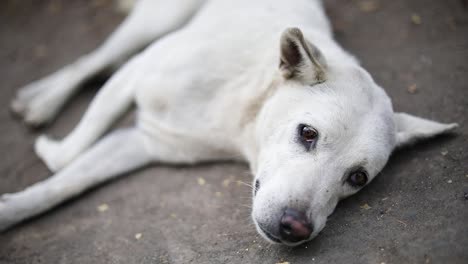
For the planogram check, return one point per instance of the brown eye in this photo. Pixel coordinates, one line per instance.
(308, 135)
(358, 178)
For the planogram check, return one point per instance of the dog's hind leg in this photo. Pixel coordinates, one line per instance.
(114, 99)
(40, 101)
(120, 152)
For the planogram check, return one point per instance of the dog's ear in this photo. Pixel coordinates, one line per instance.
(411, 128)
(300, 59)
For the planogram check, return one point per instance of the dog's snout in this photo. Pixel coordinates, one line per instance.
(295, 226)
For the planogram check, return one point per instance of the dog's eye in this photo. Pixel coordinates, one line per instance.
(308, 135)
(358, 178)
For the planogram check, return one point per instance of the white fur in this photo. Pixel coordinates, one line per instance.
(213, 90)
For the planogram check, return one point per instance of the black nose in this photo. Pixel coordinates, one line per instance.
(295, 226)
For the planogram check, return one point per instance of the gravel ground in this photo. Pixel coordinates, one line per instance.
(417, 209)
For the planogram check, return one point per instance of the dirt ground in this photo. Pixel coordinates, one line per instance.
(417, 208)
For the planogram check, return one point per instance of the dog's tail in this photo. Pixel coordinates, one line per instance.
(125, 6)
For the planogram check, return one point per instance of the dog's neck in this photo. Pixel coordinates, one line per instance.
(250, 113)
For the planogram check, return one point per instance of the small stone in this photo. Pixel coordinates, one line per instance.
(365, 206)
(138, 236)
(449, 181)
(285, 262)
(103, 207)
(201, 181)
(444, 153)
(416, 19)
(412, 89)
(173, 216)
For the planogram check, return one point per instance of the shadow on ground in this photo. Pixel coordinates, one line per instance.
(417, 208)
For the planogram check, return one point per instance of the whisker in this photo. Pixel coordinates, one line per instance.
(244, 183)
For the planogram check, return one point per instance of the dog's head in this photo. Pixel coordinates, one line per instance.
(323, 135)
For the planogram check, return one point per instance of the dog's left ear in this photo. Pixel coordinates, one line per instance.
(301, 60)
(411, 128)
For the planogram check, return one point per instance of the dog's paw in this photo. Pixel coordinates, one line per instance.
(24, 97)
(39, 112)
(33, 106)
(50, 153)
(38, 102)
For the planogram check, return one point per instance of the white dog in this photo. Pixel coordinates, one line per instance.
(261, 81)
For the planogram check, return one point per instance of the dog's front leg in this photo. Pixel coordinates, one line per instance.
(120, 152)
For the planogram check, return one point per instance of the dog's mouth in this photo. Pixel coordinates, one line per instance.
(269, 235)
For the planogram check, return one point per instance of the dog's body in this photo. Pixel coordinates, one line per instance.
(236, 82)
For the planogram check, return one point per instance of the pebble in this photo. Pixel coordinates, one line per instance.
(412, 89)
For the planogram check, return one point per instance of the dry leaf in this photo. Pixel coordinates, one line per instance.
(365, 206)
(226, 183)
(201, 181)
(368, 6)
(103, 207)
(416, 19)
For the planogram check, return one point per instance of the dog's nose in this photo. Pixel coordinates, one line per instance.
(295, 226)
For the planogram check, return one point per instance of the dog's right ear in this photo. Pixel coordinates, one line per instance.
(301, 60)
(410, 129)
